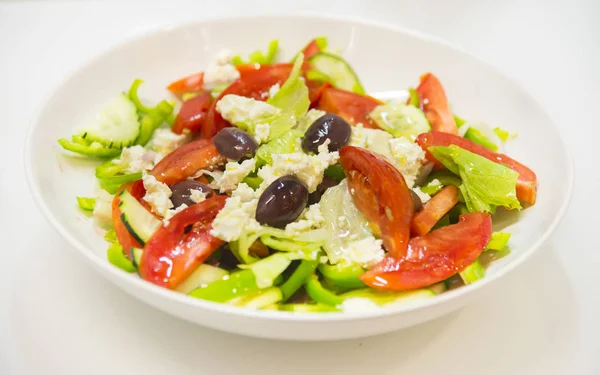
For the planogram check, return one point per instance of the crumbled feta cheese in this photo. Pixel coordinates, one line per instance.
(241, 110)
(220, 71)
(358, 305)
(315, 215)
(244, 192)
(310, 117)
(324, 147)
(197, 195)
(136, 159)
(373, 139)
(296, 228)
(164, 141)
(173, 212)
(158, 194)
(365, 252)
(261, 132)
(103, 209)
(308, 168)
(235, 218)
(234, 174)
(408, 158)
(423, 196)
(274, 90)
(310, 218)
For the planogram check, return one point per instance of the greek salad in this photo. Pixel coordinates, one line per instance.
(284, 186)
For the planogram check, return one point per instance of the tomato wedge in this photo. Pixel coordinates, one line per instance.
(435, 104)
(315, 91)
(192, 113)
(434, 210)
(126, 240)
(175, 250)
(527, 181)
(189, 84)
(311, 49)
(186, 161)
(352, 107)
(379, 191)
(434, 257)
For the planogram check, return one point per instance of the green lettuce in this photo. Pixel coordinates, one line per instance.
(400, 120)
(292, 99)
(285, 144)
(485, 184)
(257, 57)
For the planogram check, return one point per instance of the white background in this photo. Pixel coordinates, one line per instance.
(58, 317)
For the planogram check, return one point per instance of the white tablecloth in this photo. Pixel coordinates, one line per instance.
(57, 316)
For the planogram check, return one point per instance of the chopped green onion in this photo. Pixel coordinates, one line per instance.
(86, 203)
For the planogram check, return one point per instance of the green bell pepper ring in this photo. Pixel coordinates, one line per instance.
(95, 149)
(298, 277)
(236, 284)
(343, 275)
(317, 292)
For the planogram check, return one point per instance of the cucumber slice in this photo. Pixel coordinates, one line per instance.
(135, 253)
(140, 223)
(202, 276)
(338, 70)
(116, 126)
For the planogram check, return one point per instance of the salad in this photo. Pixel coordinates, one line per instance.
(284, 186)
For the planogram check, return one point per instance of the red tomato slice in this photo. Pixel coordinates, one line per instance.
(126, 240)
(311, 49)
(191, 83)
(254, 82)
(527, 181)
(353, 107)
(192, 113)
(315, 91)
(186, 161)
(175, 251)
(379, 191)
(439, 205)
(435, 105)
(434, 257)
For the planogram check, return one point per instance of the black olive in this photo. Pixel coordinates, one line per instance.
(282, 202)
(182, 192)
(328, 126)
(234, 143)
(416, 201)
(316, 195)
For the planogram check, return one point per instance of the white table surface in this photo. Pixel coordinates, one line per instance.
(57, 316)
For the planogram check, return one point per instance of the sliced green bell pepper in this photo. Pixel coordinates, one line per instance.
(343, 275)
(297, 278)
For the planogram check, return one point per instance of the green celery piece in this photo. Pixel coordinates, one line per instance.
(117, 257)
(476, 136)
(292, 99)
(400, 120)
(336, 172)
(498, 241)
(474, 272)
(95, 149)
(307, 308)
(485, 184)
(297, 278)
(317, 292)
(86, 204)
(459, 121)
(343, 275)
(415, 101)
(110, 236)
(236, 284)
(285, 144)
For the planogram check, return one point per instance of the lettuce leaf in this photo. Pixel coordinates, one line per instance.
(292, 99)
(257, 57)
(400, 120)
(286, 144)
(485, 184)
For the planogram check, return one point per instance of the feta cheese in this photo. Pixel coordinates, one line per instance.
(308, 168)
(365, 252)
(296, 228)
(408, 158)
(358, 305)
(373, 139)
(164, 141)
(244, 192)
(197, 196)
(135, 159)
(158, 194)
(234, 174)
(103, 209)
(310, 218)
(423, 196)
(173, 212)
(241, 110)
(220, 71)
(274, 90)
(315, 215)
(235, 218)
(261, 132)
(310, 117)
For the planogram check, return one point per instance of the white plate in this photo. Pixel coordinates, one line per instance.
(385, 58)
